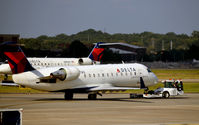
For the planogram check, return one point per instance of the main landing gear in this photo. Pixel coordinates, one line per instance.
(92, 96)
(68, 96)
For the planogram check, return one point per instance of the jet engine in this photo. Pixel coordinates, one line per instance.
(85, 61)
(69, 73)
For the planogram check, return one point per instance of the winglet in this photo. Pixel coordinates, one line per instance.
(16, 58)
(97, 52)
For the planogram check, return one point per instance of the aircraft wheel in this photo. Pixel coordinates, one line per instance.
(165, 95)
(68, 96)
(92, 96)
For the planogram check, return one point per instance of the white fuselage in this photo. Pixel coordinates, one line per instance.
(118, 75)
(39, 63)
(51, 62)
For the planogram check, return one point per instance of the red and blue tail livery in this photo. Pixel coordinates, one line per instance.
(16, 58)
(97, 52)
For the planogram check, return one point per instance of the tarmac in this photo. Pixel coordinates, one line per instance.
(110, 109)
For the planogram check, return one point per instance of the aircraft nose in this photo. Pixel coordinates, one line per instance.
(155, 78)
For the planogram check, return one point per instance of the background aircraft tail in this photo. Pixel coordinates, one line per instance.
(16, 58)
(97, 52)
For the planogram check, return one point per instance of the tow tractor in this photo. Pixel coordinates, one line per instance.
(171, 88)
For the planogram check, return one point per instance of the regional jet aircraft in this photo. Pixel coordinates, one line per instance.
(91, 79)
(94, 57)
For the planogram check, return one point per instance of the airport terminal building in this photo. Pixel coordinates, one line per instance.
(128, 52)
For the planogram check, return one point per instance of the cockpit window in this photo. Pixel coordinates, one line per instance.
(148, 70)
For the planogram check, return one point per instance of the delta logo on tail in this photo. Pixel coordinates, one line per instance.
(16, 58)
(97, 52)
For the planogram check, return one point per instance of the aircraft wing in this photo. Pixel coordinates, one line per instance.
(110, 87)
(106, 87)
(8, 84)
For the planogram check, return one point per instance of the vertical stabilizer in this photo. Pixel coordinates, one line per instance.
(97, 52)
(16, 58)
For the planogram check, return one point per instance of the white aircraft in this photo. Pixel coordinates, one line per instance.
(91, 79)
(93, 58)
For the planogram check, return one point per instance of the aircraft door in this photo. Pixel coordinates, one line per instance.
(140, 72)
(143, 73)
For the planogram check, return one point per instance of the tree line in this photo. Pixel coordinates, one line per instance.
(184, 47)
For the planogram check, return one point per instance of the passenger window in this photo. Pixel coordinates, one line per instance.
(85, 75)
(89, 75)
(98, 75)
(107, 75)
(111, 74)
(126, 74)
(102, 74)
(93, 75)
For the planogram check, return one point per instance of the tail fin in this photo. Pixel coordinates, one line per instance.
(16, 58)
(97, 52)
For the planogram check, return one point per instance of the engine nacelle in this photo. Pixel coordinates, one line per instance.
(69, 73)
(85, 61)
(5, 69)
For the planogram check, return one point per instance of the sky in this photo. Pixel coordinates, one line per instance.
(32, 18)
